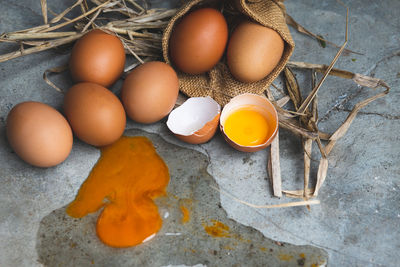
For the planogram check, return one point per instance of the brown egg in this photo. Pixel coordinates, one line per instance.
(96, 115)
(198, 41)
(249, 126)
(97, 57)
(253, 51)
(39, 134)
(196, 120)
(150, 91)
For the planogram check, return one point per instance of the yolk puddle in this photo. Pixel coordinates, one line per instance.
(185, 214)
(125, 180)
(218, 229)
(247, 127)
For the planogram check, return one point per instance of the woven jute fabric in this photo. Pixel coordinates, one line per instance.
(218, 83)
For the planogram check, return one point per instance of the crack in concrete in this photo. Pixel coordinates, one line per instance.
(206, 153)
(370, 72)
(339, 104)
(310, 242)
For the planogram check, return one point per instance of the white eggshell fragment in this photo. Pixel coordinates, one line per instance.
(196, 120)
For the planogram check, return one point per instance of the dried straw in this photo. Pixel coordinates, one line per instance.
(54, 70)
(282, 205)
(274, 167)
(308, 120)
(141, 31)
(43, 4)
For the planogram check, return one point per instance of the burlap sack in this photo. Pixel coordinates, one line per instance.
(218, 83)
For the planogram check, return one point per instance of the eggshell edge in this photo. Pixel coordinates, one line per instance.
(235, 145)
(204, 134)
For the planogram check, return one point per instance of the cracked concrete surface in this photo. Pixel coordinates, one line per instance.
(358, 220)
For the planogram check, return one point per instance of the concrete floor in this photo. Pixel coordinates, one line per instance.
(358, 220)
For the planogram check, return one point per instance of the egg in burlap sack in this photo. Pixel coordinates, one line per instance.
(218, 82)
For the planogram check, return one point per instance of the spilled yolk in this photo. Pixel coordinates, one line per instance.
(247, 127)
(185, 214)
(217, 229)
(125, 180)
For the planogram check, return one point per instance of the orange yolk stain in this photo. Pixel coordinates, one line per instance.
(217, 229)
(285, 257)
(126, 179)
(247, 127)
(185, 214)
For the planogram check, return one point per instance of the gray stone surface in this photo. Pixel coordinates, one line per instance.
(61, 237)
(358, 220)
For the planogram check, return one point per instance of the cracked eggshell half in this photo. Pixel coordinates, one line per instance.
(196, 120)
(257, 103)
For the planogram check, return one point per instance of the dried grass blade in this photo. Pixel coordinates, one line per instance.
(288, 114)
(369, 81)
(55, 14)
(43, 4)
(283, 101)
(85, 5)
(277, 88)
(329, 146)
(321, 175)
(46, 46)
(58, 26)
(321, 148)
(131, 51)
(276, 167)
(156, 15)
(84, 8)
(38, 35)
(130, 33)
(314, 108)
(283, 205)
(307, 164)
(310, 97)
(293, 87)
(33, 43)
(54, 70)
(269, 169)
(293, 126)
(91, 21)
(299, 193)
(65, 12)
(323, 136)
(360, 79)
(320, 68)
(29, 30)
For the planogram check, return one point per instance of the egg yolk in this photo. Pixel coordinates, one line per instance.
(217, 229)
(247, 127)
(185, 214)
(125, 180)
